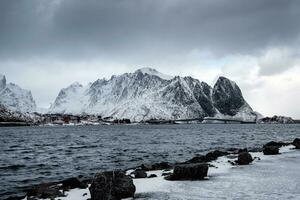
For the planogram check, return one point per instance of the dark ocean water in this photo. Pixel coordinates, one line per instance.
(31, 155)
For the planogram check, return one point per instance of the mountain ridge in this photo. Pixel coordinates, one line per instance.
(15, 98)
(147, 94)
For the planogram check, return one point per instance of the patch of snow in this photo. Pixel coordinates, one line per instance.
(272, 177)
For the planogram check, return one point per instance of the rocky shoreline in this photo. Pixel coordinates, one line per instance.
(118, 184)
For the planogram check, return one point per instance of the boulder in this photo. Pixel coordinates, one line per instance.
(278, 144)
(271, 150)
(152, 176)
(111, 185)
(189, 172)
(197, 159)
(139, 173)
(44, 191)
(156, 166)
(72, 183)
(214, 155)
(296, 143)
(244, 158)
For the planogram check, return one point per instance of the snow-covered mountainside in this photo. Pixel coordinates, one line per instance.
(15, 98)
(147, 94)
(7, 115)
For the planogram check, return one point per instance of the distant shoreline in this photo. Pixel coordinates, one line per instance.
(23, 124)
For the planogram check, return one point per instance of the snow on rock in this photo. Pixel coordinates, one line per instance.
(15, 98)
(147, 94)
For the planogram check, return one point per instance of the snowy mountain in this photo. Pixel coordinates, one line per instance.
(15, 98)
(147, 94)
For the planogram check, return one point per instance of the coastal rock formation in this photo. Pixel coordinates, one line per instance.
(189, 172)
(210, 156)
(72, 183)
(156, 166)
(139, 173)
(244, 158)
(271, 150)
(111, 185)
(15, 98)
(147, 94)
(44, 191)
(296, 143)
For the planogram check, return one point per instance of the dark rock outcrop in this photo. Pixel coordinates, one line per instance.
(244, 158)
(296, 143)
(111, 185)
(189, 172)
(213, 155)
(139, 173)
(156, 166)
(44, 191)
(152, 176)
(271, 150)
(227, 96)
(277, 144)
(72, 183)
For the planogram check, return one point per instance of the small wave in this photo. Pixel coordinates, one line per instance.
(12, 167)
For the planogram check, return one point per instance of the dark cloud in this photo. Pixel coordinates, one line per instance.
(142, 29)
(52, 43)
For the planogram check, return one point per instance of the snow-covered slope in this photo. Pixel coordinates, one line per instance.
(147, 94)
(15, 98)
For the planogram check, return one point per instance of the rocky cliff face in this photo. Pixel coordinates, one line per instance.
(227, 96)
(15, 98)
(147, 94)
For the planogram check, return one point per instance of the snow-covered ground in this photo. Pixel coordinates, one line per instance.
(270, 177)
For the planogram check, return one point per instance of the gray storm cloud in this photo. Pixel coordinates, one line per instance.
(75, 29)
(52, 43)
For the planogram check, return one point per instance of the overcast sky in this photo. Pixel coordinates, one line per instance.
(48, 44)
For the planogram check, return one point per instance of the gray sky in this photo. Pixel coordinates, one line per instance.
(46, 45)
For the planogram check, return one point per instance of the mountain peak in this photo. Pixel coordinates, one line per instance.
(153, 72)
(227, 96)
(15, 98)
(75, 84)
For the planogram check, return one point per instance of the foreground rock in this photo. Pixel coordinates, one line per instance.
(296, 143)
(156, 166)
(189, 172)
(72, 183)
(244, 158)
(111, 185)
(44, 191)
(277, 144)
(139, 173)
(271, 150)
(213, 155)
